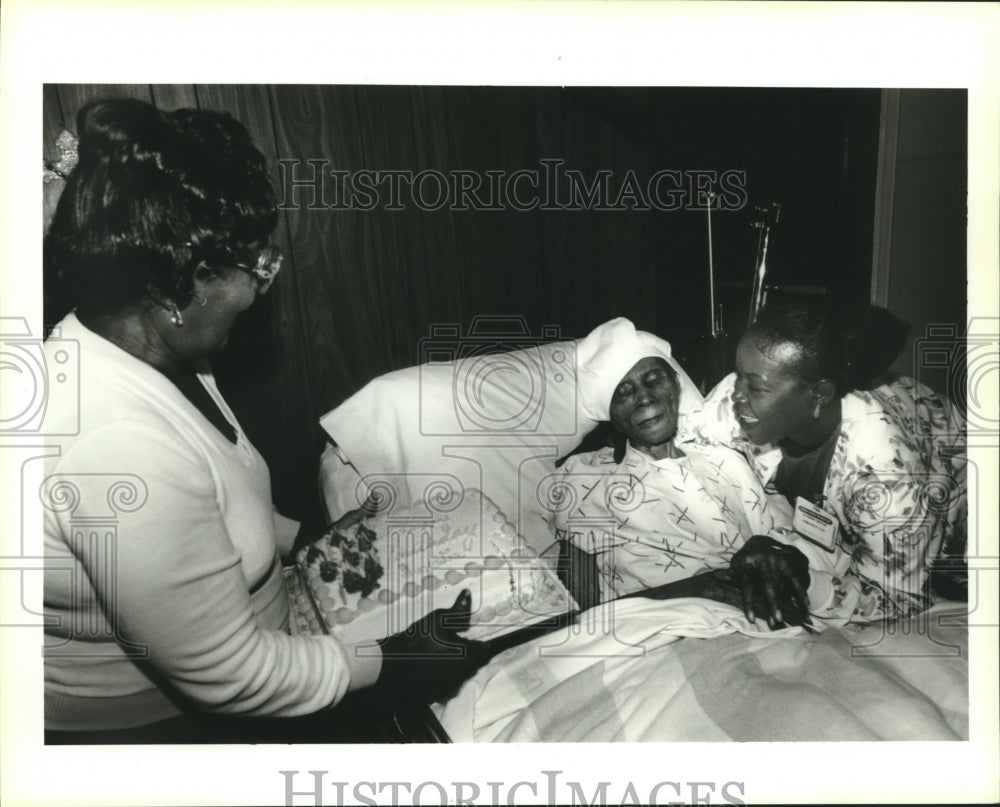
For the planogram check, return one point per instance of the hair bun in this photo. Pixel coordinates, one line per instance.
(148, 183)
(873, 338)
(107, 127)
(849, 344)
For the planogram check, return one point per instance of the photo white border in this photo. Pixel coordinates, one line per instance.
(537, 43)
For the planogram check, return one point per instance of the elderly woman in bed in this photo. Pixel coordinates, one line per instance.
(645, 517)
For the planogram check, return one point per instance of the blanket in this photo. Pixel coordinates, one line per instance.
(695, 670)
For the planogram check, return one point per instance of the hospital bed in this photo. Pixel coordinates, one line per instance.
(636, 669)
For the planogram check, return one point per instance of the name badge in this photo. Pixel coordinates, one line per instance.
(815, 524)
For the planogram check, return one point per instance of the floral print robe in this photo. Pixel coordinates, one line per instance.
(896, 485)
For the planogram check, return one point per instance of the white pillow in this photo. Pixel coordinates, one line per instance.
(492, 421)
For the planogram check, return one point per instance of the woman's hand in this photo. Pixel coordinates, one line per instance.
(311, 530)
(429, 661)
(352, 517)
(774, 582)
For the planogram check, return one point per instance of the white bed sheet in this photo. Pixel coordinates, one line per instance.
(694, 670)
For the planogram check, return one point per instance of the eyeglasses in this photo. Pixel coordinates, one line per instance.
(265, 269)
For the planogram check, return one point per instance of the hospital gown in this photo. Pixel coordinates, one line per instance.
(651, 522)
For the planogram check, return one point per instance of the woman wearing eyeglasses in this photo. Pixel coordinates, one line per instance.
(164, 594)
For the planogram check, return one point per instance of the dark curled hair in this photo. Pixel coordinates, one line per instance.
(156, 198)
(852, 346)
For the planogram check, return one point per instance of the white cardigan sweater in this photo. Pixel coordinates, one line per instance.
(163, 583)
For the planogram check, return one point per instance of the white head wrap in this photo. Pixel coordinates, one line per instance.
(608, 352)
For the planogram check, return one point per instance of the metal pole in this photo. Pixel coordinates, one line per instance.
(711, 269)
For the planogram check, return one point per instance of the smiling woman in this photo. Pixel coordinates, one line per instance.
(178, 615)
(646, 514)
(877, 459)
(644, 407)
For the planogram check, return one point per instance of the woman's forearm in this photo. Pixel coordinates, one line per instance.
(714, 585)
(578, 571)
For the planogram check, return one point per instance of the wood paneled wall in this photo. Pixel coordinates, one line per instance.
(361, 289)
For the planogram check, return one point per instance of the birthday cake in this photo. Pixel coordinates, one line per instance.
(379, 575)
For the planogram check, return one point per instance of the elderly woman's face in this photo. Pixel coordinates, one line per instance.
(769, 401)
(645, 403)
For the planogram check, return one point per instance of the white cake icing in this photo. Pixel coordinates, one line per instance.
(390, 570)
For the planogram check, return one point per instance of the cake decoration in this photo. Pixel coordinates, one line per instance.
(381, 574)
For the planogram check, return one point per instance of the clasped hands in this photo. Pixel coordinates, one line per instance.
(767, 579)
(772, 579)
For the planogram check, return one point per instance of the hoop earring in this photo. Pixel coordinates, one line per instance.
(816, 411)
(175, 316)
(202, 302)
